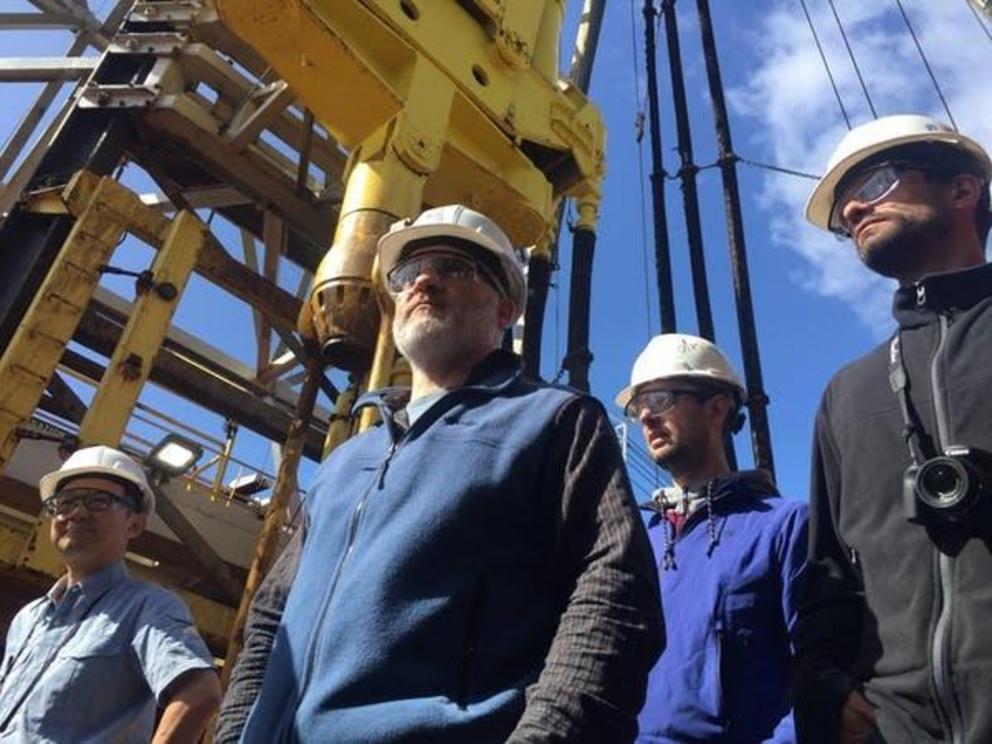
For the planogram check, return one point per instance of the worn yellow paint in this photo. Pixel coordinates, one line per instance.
(34, 352)
(131, 363)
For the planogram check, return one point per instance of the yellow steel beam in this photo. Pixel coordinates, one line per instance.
(34, 352)
(142, 337)
(517, 139)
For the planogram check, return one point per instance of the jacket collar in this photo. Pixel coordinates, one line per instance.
(920, 303)
(494, 373)
(92, 587)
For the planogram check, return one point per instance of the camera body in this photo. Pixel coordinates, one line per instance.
(950, 488)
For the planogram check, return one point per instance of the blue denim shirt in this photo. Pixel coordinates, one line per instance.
(89, 664)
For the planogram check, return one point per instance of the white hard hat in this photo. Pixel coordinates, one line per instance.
(680, 355)
(100, 460)
(457, 221)
(879, 135)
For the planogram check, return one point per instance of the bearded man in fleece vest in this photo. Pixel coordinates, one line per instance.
(473, 569)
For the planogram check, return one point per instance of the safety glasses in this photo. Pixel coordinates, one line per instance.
(655, 402)
(443, 266)
(871, 187)
(93, 500)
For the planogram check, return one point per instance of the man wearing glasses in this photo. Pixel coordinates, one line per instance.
(731, 555)
(473, 569)
(893, 641)
(102, 655)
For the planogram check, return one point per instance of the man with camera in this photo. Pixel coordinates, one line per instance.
(892, 639)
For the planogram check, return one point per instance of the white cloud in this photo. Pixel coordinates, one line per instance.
(789, 99)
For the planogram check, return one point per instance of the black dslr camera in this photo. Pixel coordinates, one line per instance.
(948, 488)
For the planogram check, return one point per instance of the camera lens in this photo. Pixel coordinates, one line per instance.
(942, 483)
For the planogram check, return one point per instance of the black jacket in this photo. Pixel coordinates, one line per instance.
(899, 609)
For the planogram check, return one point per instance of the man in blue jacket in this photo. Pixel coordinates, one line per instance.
(730, 551)
(474, 569)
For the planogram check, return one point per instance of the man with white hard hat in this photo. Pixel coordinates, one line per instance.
(102, 655)
(892, 640)
(474, 568)
(731, 554)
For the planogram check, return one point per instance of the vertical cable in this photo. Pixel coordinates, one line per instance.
(826, 66)
(854, 62)
(639, 135)
(926, 64)
(979, 21)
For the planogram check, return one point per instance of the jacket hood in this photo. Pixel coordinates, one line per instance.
(744, 485)
(716, 496)
(919, 303)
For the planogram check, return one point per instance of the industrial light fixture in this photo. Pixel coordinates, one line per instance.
(248, 485)
(174, 455)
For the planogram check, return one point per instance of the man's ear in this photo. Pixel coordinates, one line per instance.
(505, 312)
(135, 525)
(966, 190)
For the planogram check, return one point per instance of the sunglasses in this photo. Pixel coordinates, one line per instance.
(871, 187)
(655, 402)
(93, 500)
(442, 266)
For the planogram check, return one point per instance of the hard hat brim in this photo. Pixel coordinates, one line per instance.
(50, 483)
(821, 202)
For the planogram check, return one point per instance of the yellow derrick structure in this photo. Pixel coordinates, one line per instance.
(310, 126)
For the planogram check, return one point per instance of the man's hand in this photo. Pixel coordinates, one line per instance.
(193, 699)
(857, 719)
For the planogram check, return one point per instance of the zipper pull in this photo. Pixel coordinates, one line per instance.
(385, 464)
(921, 295)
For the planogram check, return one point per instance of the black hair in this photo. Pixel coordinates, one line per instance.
(707, 389)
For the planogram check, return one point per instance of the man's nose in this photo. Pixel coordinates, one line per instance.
(854, 211)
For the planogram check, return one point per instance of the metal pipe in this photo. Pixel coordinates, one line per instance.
(283, 492)
(662, 253)
(541, 262)
(579, 357)
(757, 399)
(687, 175)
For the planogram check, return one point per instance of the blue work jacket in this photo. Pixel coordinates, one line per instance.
(730, 586)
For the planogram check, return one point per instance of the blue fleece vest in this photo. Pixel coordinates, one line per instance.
(421, 608)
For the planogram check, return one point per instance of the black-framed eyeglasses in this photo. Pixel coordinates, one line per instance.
(92, 499)
(655, 402)
(444, 266)
(870, 187)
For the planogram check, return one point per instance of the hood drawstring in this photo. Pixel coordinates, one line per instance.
(668, 560)
(673, 503)
(710, 521)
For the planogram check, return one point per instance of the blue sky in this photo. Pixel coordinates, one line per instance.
(815, 307)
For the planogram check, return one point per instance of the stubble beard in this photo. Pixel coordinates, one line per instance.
(903, 247)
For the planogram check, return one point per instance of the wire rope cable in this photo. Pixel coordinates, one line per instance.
(926, 63)
(639, 136)
(854, 61)
(826, 65)
(978, 19)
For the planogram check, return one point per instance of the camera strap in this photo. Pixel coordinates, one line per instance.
(899, 382)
